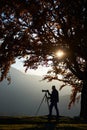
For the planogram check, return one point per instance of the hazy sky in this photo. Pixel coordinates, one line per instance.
(41, 71)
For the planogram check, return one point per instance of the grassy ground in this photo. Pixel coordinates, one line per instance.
(41, 123)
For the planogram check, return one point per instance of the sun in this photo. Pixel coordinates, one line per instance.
(60, 53)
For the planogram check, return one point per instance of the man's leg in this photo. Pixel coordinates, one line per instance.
(57, 111)
(50, 109)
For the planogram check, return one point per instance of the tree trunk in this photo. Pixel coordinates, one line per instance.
(83, 111)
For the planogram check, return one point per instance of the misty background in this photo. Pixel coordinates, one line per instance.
(24, 95)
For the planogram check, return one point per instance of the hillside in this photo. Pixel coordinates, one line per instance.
(24, 95)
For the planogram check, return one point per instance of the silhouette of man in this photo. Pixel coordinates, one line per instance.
(54, 99)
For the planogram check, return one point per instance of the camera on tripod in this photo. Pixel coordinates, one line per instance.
(44, 90)
(44, 98)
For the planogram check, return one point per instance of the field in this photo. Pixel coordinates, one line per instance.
(42, 123)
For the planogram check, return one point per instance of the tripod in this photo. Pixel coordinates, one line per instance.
(44, 98)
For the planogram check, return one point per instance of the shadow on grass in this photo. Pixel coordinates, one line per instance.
(42, 123)
(55, 128)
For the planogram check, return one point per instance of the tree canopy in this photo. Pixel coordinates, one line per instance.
(37, 29)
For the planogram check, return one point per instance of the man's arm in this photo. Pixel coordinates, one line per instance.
(49, 92)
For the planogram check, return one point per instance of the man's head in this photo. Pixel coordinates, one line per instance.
(53, 87)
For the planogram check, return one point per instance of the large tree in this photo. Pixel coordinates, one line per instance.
(37, 29)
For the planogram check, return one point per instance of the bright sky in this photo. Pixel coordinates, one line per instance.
(40, 71)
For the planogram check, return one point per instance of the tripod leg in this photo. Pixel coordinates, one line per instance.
(40, 105)
(47, 102)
